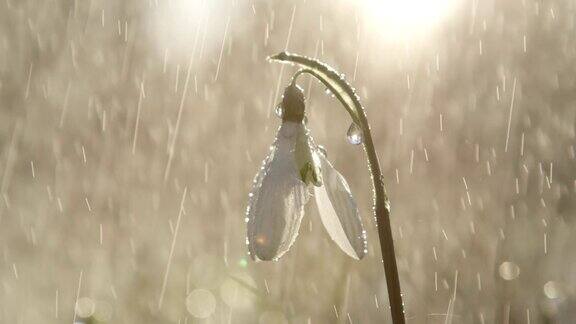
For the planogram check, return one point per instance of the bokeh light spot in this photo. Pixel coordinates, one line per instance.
(272, 317)
(552, 290)
(509, 270)
(85, 307)
(201, 303)
(236, 292)
(243, 263)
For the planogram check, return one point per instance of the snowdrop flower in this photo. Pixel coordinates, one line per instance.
(295, 170)
(340, 223)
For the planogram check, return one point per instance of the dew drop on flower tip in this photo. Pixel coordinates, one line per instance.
(354, 134)
(279, 111)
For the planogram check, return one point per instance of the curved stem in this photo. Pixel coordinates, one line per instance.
(343, 97)
(382, 213)
(346, 95)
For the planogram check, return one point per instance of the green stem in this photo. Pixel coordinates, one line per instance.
(346, 95)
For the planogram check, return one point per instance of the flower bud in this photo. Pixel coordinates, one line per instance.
(293, 104)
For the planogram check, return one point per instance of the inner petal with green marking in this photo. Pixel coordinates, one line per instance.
(307, 160)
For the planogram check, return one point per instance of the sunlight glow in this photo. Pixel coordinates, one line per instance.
(175, 24)
(405, 19)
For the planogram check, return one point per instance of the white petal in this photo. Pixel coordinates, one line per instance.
(277, 201)
(339, 212)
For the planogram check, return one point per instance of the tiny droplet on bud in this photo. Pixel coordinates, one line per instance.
(279, 111)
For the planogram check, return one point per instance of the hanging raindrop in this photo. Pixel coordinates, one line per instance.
(279, 111)
(354, 134)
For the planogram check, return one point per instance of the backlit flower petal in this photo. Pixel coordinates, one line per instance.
(277, 200)
(338, 211)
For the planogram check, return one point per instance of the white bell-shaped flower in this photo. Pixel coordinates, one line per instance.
(281, 190)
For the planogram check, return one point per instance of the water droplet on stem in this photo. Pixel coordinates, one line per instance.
(354, 134)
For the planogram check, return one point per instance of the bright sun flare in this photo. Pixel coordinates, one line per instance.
(403, 19)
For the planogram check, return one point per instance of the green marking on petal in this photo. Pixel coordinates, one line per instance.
(310, 174)
(307, 161)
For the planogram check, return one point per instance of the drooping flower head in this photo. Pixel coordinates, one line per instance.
(295, 170)
(337, 208)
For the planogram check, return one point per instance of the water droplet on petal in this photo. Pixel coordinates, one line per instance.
(354, 134)
(322, 150)
(279, 111)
